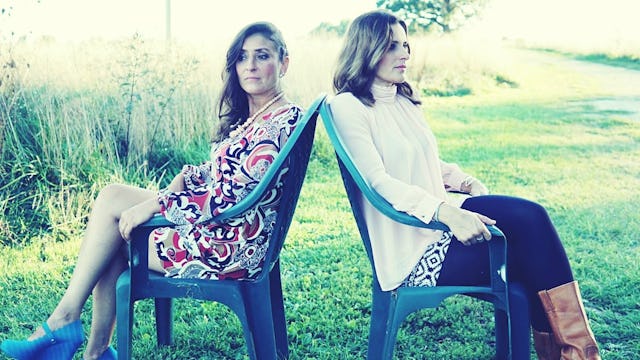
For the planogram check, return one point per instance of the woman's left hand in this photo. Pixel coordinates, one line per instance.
(478, 188)
(467, 226)
(473, 187)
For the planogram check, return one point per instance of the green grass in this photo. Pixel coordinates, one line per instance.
(584, 171)
(581, 163)
(626, 61)
(629, 61)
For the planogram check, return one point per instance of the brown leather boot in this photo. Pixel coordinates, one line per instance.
(565, 311)
(545, 345)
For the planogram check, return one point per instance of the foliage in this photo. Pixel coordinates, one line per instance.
(326, 28)
(445, 15)
(629, 61)
(55, 140)
(15, 126)
(147, 75)
(6, 10)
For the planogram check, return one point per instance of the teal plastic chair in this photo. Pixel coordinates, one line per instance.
(390, 308)
(257, 303)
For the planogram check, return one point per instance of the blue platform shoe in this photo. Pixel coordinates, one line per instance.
(109, 354)
(60, 344)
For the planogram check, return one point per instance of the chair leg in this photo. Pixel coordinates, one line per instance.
(514, 343)
(277, 310)
(124, 319)
(520, 322)
(382, 333)
(164, 320)
(260, 321)
(502, 334)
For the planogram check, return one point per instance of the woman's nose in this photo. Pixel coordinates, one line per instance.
(251, 64)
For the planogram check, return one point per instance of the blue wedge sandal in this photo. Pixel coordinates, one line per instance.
(60, 344)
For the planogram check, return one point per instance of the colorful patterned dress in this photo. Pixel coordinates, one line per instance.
(234, 249)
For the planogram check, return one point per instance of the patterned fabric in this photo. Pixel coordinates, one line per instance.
(427, 270)
(236, 248)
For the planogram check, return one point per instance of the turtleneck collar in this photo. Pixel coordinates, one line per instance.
(384, 93)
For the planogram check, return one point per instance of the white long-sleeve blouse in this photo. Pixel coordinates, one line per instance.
(396, 152)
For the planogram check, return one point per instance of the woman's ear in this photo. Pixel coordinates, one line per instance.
(284, 66)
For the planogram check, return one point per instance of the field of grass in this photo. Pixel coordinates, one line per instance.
(76, 118)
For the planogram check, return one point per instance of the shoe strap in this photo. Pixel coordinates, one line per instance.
(48, 333)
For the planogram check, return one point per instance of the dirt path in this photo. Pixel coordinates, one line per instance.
(623, 84)
(620, 86)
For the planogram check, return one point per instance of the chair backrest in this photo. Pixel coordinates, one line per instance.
(292, 159)
(294, 156)
(357, 188)
(389, 308)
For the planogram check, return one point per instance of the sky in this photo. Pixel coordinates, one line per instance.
(577, 20)
(190, 19)
(203, 20)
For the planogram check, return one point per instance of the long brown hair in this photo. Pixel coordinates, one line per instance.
(233, 104)
(368, 38)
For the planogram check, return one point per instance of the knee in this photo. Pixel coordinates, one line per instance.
(532, 212)
(110, 197)
(110, 192)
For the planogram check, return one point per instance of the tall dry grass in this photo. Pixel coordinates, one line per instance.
(77, 116)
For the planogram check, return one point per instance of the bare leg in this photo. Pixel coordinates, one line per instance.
(104, 307)
(100, 262)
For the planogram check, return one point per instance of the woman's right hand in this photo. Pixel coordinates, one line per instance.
(136, 215)
(467, 226)
(177, 184)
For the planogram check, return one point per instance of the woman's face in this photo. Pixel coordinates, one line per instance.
(259, 67)
(392, 66)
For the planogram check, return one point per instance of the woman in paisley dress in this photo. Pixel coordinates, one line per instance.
(382, 124)
(255, 119)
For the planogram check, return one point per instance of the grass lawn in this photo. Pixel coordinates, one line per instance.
(582, 166)
(580, 162)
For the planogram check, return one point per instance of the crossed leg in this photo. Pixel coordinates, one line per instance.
(100, 261)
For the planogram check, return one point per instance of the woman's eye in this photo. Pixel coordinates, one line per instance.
(263, 56)
(242, 57)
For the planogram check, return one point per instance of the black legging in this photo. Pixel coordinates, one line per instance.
(537, 259)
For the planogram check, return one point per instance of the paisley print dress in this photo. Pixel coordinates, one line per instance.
(234, 249)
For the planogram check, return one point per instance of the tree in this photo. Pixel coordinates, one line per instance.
(447, 15)
(327, 28)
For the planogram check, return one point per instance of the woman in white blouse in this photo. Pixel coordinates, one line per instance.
(382, 124)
